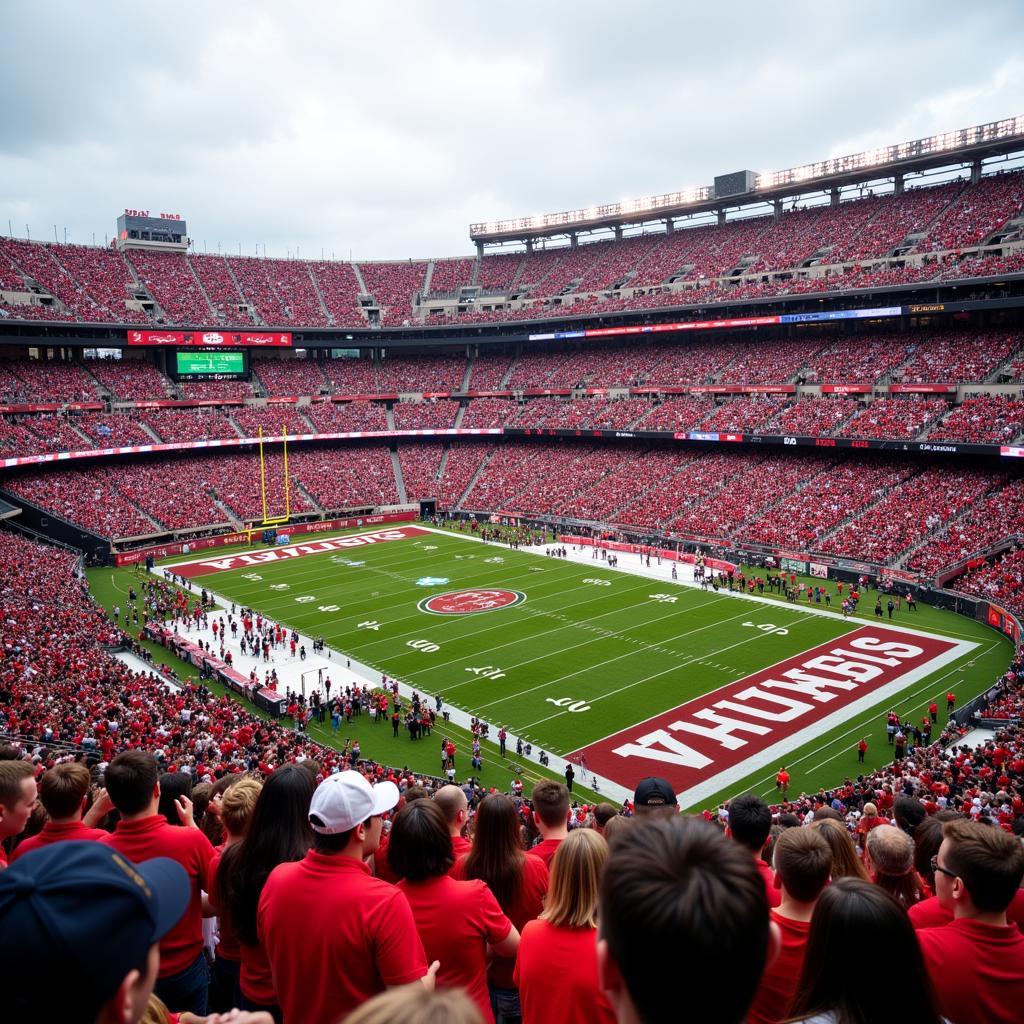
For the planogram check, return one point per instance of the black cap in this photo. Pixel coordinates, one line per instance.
(85, 915)
(654, 792)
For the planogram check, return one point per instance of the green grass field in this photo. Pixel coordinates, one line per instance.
(589, 651)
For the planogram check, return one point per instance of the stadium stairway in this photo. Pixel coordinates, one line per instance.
(319, 295)
(464, 386)
(232, 518)
(476, 476)
(425, 290)
(396, 465)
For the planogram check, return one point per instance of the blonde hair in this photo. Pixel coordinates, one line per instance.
(237, 804)
(413, 1005)
(575, 878)
(156, 1011)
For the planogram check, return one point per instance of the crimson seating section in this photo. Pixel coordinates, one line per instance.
(987, 419)
(96, 284)
(439, 415)
(273, 419)
(289, 376)
(919, 506)
(342, 478)
(221, 287)
(937, 357)
(1001, 581)
(129, 380)
(342, 417)
(174, 426)
(171, 281)
(887, 418)
(394, 286)
(420, 464)
(999, 514)
(450, 275)
(27, 380)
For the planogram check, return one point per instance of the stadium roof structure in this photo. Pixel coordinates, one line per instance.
(961, 147)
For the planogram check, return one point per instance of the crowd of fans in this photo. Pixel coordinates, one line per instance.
(131, 810)
(743, 258)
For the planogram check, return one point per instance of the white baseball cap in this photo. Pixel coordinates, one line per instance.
(345, 800)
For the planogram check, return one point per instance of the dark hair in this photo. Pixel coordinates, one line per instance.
(803, 860)
(850, 917)
(750, 821)
(63, 788)
(173, 785)
(988, 861)
(679, 901)
(909, 812)
(497, 855)
(420, 846)
(551, 802)
(130, 780)
(603, 813)
(278, 832)
(927, 840)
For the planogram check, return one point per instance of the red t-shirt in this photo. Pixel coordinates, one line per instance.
(774, 895)
(335, 936)
(228, 947)
(930, 913)
(461, 846)
(779, 981)
(546, 850)
(525, 907)
(51, 833)
(457, 921)
(146, 838)
(556, 974)
(977, 970)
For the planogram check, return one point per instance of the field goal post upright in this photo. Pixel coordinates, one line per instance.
(275, 520)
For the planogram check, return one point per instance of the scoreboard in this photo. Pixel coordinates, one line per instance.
(143, 226)
(210, 364)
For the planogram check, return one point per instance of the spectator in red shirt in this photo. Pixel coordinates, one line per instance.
(666, 890)
(976, 962)
(236, 810)
(750, 823)
(457, 921)
(551, 816)
(556, 970)
(335, 936)
(80, 931)
(278, 833)
(132, 781)
(17, 800)
(850, 917)
(455, 806)
(803, 863)
(519, 884)
(64, 790)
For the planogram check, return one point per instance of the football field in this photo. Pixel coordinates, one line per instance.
(633, 674)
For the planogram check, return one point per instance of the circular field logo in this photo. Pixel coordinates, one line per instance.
(469, 602)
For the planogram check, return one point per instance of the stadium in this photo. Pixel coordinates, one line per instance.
(720, 486)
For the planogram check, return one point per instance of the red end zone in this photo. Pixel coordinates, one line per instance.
(205, 566)
(721, 737)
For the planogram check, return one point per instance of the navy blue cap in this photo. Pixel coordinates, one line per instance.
(75, 918)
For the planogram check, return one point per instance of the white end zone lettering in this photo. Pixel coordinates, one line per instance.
(723, 736)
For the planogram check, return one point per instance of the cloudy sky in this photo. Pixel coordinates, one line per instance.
(384, 128)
